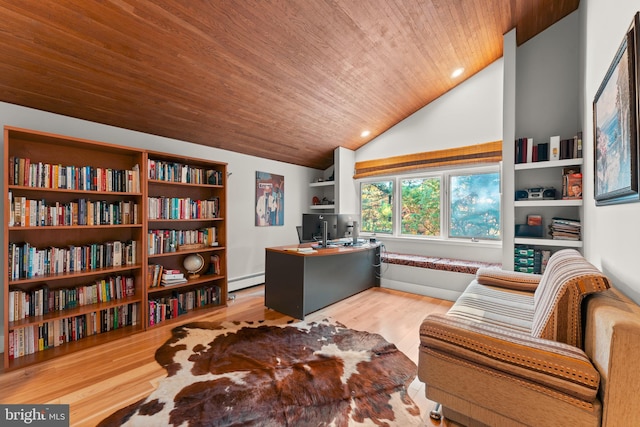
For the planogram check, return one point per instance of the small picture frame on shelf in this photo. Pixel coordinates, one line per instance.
(615, 122)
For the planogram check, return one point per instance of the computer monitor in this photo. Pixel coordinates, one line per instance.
(312, 226)
(348, 226)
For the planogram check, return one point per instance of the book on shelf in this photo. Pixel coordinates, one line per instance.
(169, 274)
(571, 183)
(173, 282)
(565, 229)
(154, 273)
(554, 148)
(214, 265)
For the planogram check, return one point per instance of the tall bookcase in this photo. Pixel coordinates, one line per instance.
(185, 218)
(76, 258)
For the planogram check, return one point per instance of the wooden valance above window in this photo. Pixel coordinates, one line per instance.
(488, 152)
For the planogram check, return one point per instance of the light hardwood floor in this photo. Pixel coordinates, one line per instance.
(97, 381)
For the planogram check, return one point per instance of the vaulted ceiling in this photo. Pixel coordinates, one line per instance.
(284, 80)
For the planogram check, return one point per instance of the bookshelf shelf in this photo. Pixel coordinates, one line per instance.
(71, 227)
(543, 203)
(549, 164)
(76, 311)
(192, 314)
(322, 184)
(321, 207)
(548, 242)
(190, 283)
(323, 191)
(186, 184)
(189, 251)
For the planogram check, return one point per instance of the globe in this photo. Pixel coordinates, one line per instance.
(193, 263)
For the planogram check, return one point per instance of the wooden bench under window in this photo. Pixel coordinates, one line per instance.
(436, 263)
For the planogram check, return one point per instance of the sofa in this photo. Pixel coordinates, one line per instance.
(516, 349)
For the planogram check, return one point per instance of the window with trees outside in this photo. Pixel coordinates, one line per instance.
(455, 204)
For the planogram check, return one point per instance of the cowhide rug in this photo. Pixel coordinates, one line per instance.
(268, 374)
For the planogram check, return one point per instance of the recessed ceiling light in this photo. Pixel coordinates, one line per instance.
(365, 133)
(457, 72)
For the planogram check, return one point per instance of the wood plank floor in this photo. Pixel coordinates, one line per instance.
(97, 381)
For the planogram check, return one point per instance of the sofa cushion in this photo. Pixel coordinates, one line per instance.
(557, 366)
(508, 279)
(567, 279)
(495, 306)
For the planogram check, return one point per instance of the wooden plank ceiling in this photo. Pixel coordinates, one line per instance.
(284, 80)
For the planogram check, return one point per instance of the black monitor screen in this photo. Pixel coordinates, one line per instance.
(312, 226)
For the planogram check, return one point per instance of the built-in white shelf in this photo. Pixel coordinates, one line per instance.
(322, 207)
(322, 184)
(549, 164)
(548, 242)
(539, 203)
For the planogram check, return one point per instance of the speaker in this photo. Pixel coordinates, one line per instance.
(549, 193)
(522, 194)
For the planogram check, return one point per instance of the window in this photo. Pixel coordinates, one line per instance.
(420, 210)
(474, 206)
(376, 207)
(454, 204)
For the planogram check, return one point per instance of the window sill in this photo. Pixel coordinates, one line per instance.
(435, 240)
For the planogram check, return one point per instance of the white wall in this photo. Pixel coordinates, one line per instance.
(471, 113)
(546, 82)
(613, 232)
(245, 241)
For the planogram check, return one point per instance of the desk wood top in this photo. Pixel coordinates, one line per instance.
(303, 249)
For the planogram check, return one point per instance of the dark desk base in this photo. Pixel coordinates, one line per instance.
(297, 284)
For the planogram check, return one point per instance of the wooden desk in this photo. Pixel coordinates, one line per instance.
(298, 283)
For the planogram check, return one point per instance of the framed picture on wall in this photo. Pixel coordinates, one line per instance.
(269, 199)
(615, 122)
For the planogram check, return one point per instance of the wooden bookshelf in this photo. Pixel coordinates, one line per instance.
(175, 182)
(68, 239)
(89, 200)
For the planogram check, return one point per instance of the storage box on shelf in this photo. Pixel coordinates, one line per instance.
(74, 231)
(186, 224)
(553, 210)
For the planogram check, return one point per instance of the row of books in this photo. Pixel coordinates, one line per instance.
(34, 213)
(565, 229)
(34, 338)
(24, 172)
(530, 260)
(26, 261)
(167, 241)
(186, 174)
(43, 299)
(183, 208)
(165, 308)
(526, 151)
